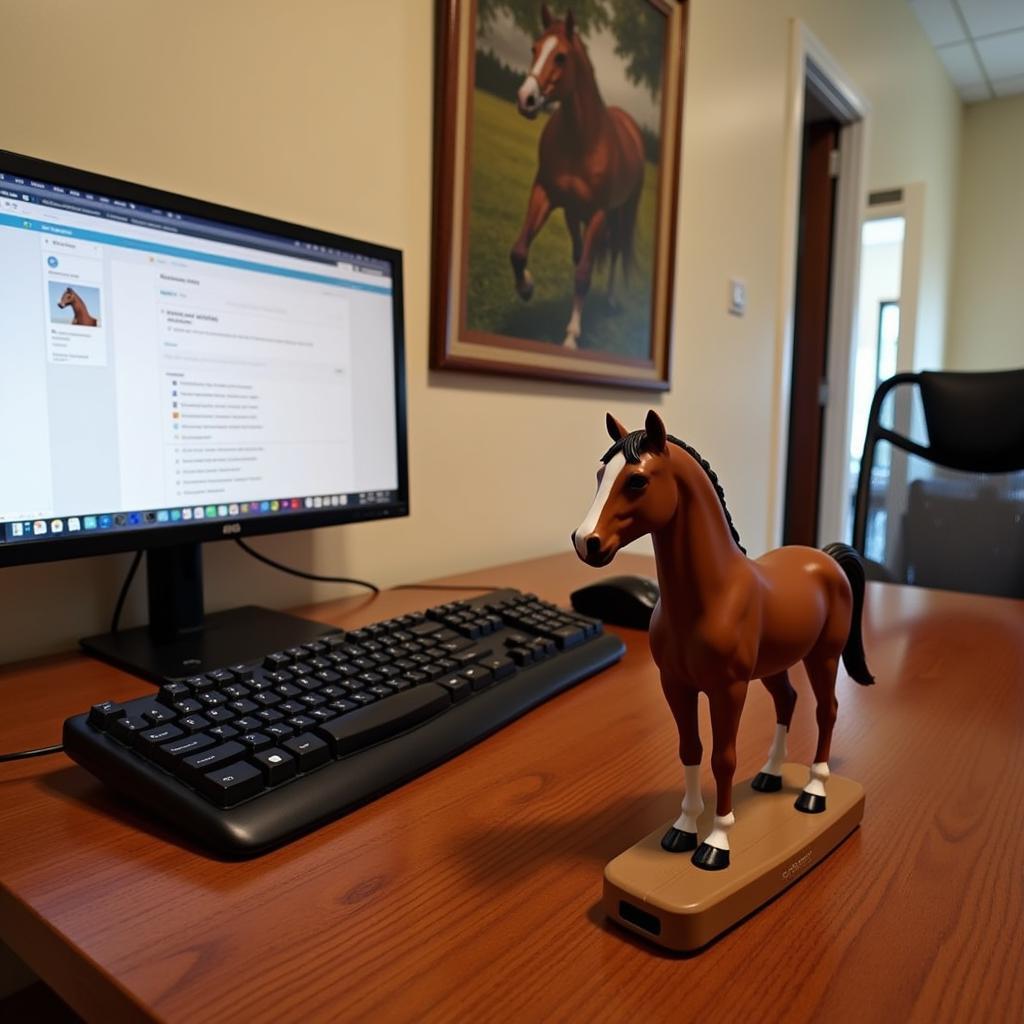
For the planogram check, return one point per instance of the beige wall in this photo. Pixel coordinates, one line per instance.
(987, 296)
(321, 112)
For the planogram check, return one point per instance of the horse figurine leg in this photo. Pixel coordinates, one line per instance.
(821, 670)
(682, 836)
(769, 778)
(726, 706)
(537, 211)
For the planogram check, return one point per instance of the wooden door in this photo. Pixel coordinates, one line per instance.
(809, 389)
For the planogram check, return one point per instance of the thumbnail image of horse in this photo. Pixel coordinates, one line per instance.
(82, 317)
(590, 164)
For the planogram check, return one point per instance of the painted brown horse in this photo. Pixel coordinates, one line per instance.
(723, 618)
(81, 315)
(591, 164)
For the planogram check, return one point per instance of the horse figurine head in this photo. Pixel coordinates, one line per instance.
(67, 298)
(636, 492)
(725, 619)
(552, 70)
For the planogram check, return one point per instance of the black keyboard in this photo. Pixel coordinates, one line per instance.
(246, 757)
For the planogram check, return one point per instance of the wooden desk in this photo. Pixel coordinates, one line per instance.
(472, 893)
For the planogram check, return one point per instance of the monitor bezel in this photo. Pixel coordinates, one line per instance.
(81, 545)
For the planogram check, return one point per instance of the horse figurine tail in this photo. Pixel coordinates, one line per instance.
(853, 653)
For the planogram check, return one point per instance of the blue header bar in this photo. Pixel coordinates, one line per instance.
(27, 224)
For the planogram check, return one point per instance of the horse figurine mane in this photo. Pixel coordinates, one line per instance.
(725, 619)
(631, 447)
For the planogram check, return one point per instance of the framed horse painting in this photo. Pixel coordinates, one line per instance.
(557, 151)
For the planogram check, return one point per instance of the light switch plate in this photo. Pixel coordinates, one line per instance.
(737, 297)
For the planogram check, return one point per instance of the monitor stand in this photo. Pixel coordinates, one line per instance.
(180, 640)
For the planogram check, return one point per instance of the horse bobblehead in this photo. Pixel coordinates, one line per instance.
(725, 619)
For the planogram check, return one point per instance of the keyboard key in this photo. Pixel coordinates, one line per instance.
(362, 697)
(242, 707)
(478, 676)
(102, 716)
(241, 672)
(301, 723)
(211, 698)
(567, 636)
(368, 725)
(255, 740)
(169, 754)
(188, 706)
(232, 784)
(279, 731)
(267, 698)
(220, 675)
(269, 716)
(235, 691)
(220, 715)
(501, 668)
(171, 692)
(308, 750)
(276, 661)
(206, 760)
(125, 727)
(276, 764)
(193, 723)
(339, 707)
(471, 655)
(457, 687)
(223, 732)
(154, 737)
(158, 715)
(521, 655)
(248, 723)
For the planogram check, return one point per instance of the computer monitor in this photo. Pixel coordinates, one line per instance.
(176, 372)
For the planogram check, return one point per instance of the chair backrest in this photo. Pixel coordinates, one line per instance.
(955, 520)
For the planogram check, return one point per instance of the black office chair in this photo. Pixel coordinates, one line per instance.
(948, 512)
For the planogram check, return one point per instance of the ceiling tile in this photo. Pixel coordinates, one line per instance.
(986, 17)
(939, 21)
(960, 63)
(974, 93)
(1009, 86)
(1003, 56)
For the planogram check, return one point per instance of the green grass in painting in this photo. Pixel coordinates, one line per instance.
(503, 167)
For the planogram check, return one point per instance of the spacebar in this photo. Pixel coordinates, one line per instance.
(377, 722)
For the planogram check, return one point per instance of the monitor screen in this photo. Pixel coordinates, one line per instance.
(174, 370)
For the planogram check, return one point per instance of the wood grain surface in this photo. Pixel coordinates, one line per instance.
(473, 892)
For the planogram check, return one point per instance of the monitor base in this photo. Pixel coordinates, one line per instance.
(225, 638)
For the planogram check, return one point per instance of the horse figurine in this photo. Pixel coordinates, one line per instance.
(724, 619)
(591, 164)
(82, 317)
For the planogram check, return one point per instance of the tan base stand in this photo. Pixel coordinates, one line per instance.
(667, 900)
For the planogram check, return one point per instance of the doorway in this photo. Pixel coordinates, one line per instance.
(823, 204)
(809, 381)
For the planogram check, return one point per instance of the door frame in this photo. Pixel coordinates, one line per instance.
(809, 59)
(907, 202)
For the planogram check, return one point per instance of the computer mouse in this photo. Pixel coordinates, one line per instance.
(619, 601)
